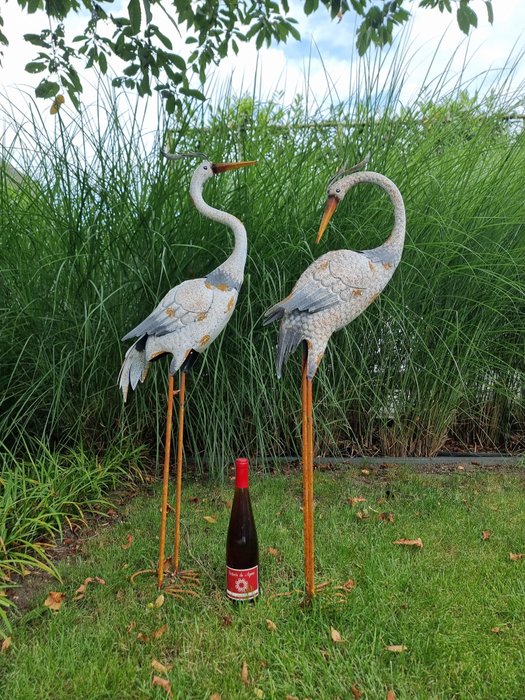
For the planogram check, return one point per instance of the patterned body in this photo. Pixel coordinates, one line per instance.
(338, 286)
(189, 317)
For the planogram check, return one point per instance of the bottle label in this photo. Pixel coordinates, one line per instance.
(242, 584)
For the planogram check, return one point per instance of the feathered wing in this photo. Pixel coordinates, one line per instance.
(182, 306)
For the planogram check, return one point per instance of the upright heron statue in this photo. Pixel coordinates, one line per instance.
(333, 291)
(183, 325)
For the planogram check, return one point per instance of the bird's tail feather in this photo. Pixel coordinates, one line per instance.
(134, 368)
(289, 339)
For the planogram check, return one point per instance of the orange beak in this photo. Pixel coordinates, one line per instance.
(223, 167)
(331, 206)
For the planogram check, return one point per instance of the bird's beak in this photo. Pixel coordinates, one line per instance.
(331, 206)
(223, 167)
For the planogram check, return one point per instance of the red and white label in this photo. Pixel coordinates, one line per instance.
(242, 584)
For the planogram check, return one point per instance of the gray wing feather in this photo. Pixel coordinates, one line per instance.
(310, 299)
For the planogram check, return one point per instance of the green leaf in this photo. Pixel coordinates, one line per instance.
(35, 67)
(466, 18)
(490, 11)
(134, 13)
(47, 88)
(36, 40)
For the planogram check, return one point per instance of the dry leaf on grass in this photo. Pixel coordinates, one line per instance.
(128, 543)
(390, 695)
(356, 693)
(365, 472)
(386, 517)
(164, 684)
(5, 645)
(210, 519)
(396, 648)
(244, 673)
(54, 600)
(496, 630)
(362, 514)
(81, 590)
(216, 696)
(352, 500)
(258, 693)
(516, 557)
(160, 668)
(142, 637)
(226, 620)
(292, 697)
(410, 543)
(335, 635)
(272, 551)
(159, 602)
(270, 624)
(157, 634)
(485, 535)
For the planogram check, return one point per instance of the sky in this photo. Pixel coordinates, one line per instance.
(326, 54)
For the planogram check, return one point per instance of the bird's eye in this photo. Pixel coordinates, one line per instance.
(338, 190)
(205, 167)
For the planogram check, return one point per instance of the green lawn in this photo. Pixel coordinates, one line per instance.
(441, 602)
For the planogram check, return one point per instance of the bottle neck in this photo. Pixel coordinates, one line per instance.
(241, 474)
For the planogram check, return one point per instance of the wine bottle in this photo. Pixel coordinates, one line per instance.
(242, 551)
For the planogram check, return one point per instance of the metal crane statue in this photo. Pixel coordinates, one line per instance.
(333, 291)
(183, 325)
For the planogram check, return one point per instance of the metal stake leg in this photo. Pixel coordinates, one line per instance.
(165, 478)
(180, 446)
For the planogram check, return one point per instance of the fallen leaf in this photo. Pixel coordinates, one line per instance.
(194, 500)
(325, 654)
(352, 500)
(164, 684)
(486, 535)
(128, 543)
(131, 626)
(111, 513)
(365, 472)
(244, 673)
(273, 551)
(516, 557)
(336, 636)
(356, 693)
(5, 644)
(292, 697)
(362, 514)
(210, 519)
(349, 585)
(270, 624)
(160, 668)
(258, 693)
(81, 590)
(159, 602)
(226, 620)
(411, 543)
(228, 504)
(216, 696)
(386, 517)
(54, 600)
(157, 634)
(390, 695)
(496, 630)
(397, 648)
(142, 637)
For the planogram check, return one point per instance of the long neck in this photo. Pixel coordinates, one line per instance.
(234, 264)
(394, 243)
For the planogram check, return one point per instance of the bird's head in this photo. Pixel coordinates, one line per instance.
(336, 191)
(207, 169)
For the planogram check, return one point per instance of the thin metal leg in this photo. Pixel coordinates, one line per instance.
(306, 462)
(180, 446)
(310, 441)
(165, 478)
